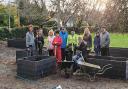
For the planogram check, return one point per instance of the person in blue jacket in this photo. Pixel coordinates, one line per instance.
(97, 47)
(64, 36)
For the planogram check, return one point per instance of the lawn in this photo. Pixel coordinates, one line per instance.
(119, 40)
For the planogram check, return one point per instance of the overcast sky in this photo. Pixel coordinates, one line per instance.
(6, 1)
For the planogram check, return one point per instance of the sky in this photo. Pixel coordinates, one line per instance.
(7, 0)
(47, 1)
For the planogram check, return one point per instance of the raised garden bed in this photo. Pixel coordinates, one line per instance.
(119, 65)
(36, 67)
(17, 43)
(24, 53)
(119, 52)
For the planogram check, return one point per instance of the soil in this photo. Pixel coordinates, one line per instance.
(8, 79)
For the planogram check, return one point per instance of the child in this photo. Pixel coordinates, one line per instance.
(50, 40)
(97, 44)
(57, 42)
(83, 47)
(39, 41)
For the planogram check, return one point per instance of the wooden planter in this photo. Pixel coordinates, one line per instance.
(119, 65)
(36, 67)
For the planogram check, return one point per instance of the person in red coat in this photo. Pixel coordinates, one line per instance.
(57, 42)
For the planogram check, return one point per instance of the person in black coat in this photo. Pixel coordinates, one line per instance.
(39, 42)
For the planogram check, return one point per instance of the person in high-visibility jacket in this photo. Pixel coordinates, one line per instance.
(73, 41)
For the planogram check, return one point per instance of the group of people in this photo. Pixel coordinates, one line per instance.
(102, 42)
(59, 40)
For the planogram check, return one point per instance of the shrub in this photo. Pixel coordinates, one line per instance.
(18, 32)
(4, 33)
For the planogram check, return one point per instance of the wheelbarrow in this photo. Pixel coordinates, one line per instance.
(88, 69)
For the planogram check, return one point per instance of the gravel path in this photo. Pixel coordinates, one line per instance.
(8, 78)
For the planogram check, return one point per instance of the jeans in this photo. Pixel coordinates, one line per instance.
(97, 51)
(31, 50)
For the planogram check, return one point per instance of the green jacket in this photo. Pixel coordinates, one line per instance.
(72, 40)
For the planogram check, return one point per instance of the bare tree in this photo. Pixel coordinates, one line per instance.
(116, 15)
(66, 9)
(86, 10)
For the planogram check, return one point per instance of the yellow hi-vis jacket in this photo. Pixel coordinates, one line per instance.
(72, 40)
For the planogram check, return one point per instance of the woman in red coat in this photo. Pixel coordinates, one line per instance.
(57, 47)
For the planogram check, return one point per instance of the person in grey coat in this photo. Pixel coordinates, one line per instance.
(30, 40)
(104, 42)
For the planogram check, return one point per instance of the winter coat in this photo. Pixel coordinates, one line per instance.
(64, 36)
(30, 40)
(50, 40)
(88, 39)
(39, 41)
(73, 40)
(57, 42)
(104, 40)
(97, 42)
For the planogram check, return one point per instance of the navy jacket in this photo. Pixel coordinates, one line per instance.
(97, 41)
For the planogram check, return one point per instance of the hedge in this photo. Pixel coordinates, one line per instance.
(14, 33)
(17, 32)
(4, 33)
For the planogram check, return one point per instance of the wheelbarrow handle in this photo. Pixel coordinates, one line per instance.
(105, 68)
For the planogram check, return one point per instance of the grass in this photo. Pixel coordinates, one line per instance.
(117, 40)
